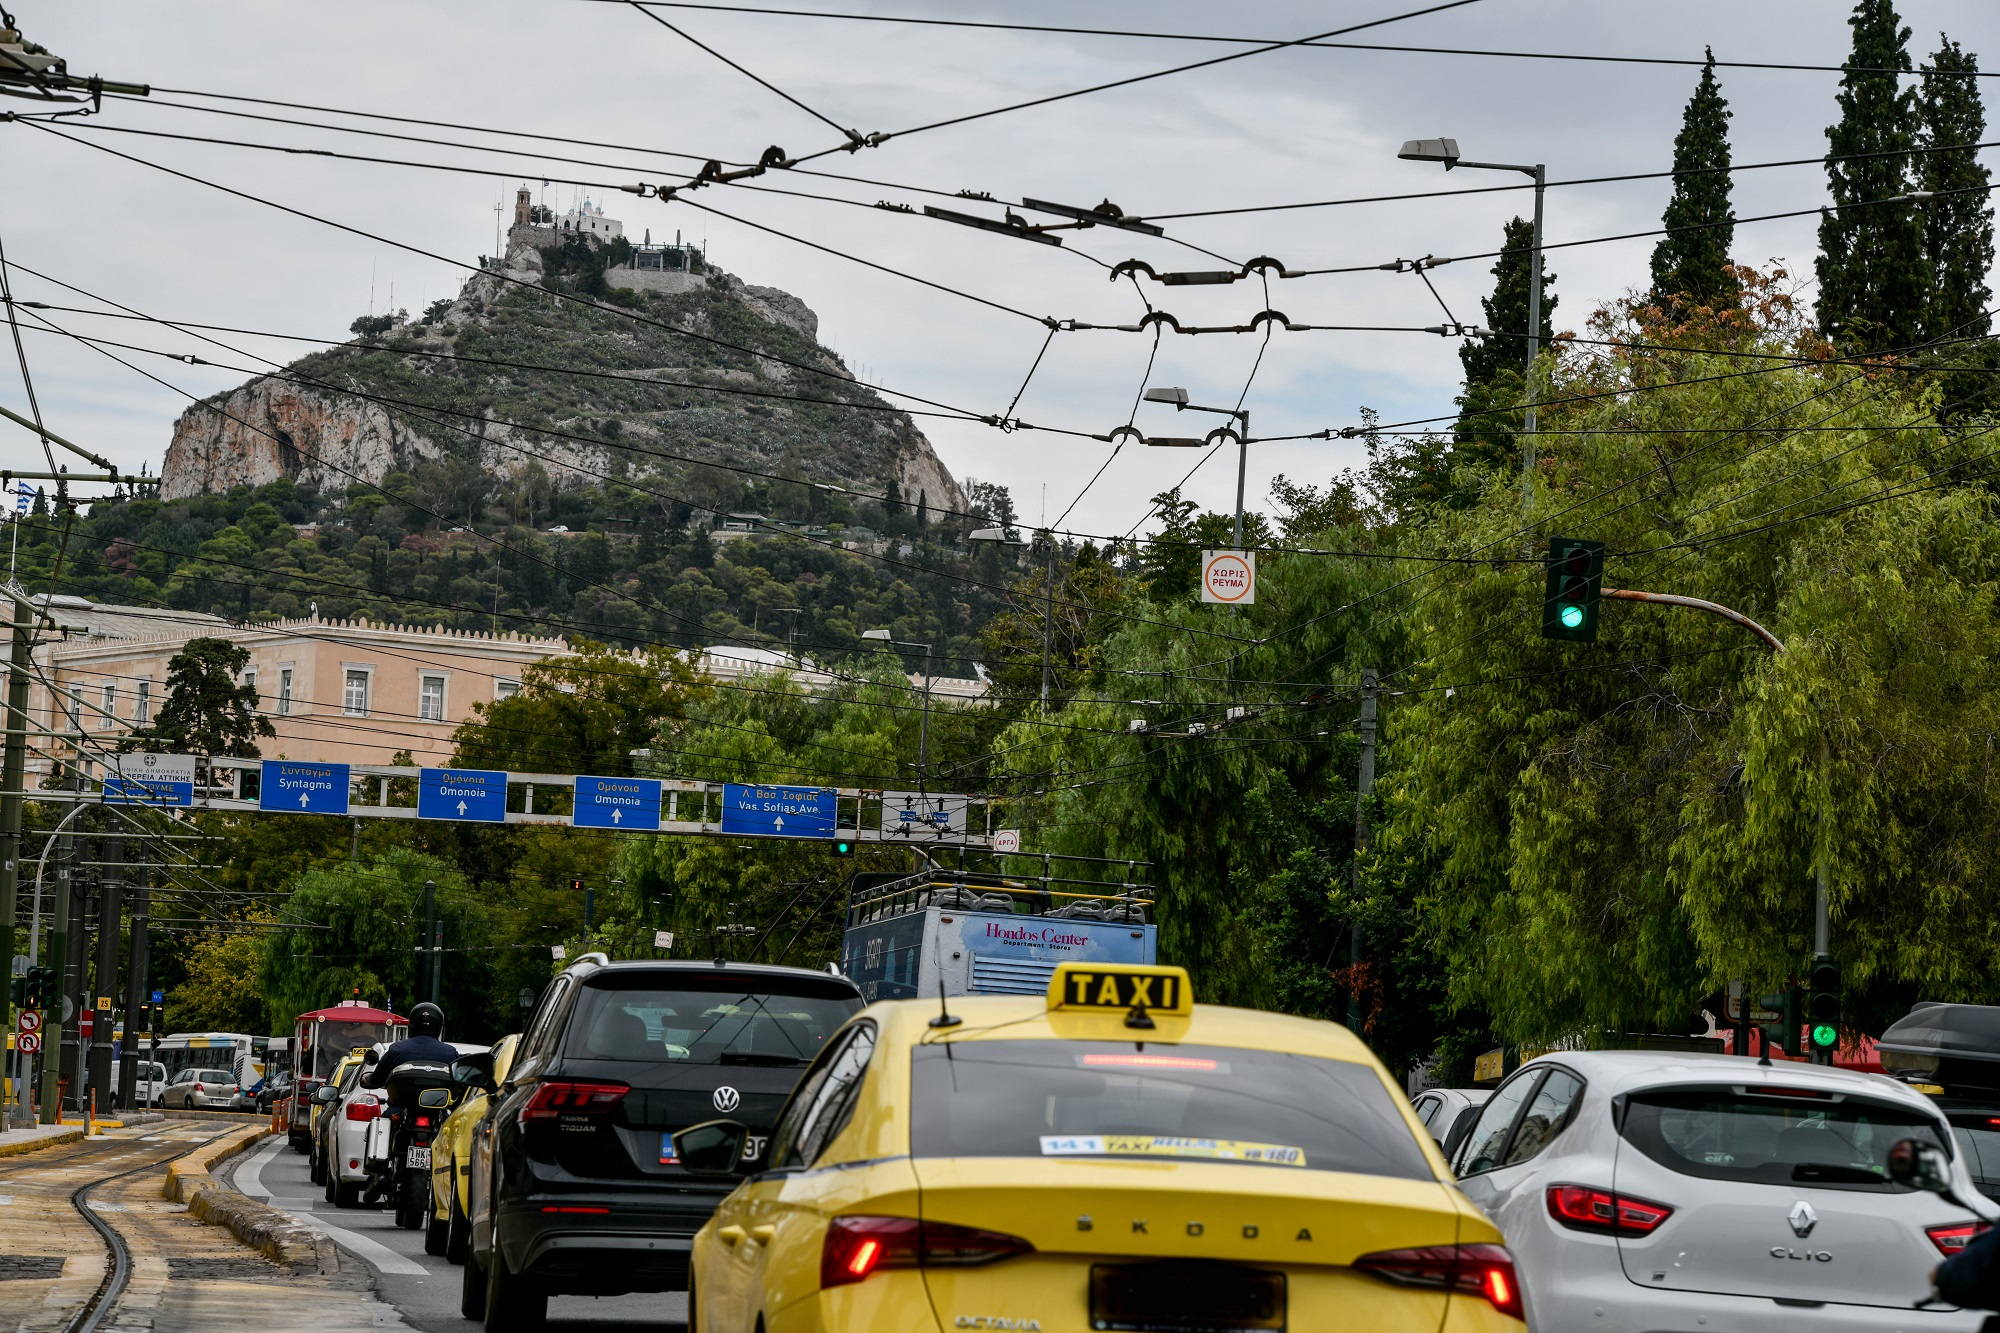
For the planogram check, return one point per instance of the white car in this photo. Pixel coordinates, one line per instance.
(1448, 1113)
(149, 1075)
(1641, 1190)
(204, 1090)
(347, 1134)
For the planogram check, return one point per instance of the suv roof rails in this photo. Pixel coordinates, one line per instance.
(594, 956)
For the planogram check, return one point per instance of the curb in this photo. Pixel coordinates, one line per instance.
(191, 1180)
(36, 1145)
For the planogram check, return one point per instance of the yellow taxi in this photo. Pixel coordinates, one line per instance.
(1109, 1156)
(324, 1099)
(450, 1230)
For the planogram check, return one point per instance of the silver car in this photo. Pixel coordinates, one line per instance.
(199, 1089)
(1641, 1190)
(1448, 1113)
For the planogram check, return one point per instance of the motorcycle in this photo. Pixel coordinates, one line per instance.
(396, 1153)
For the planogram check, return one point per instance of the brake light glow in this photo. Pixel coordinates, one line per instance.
(563, 1097)
(1586, 1208)
(855, 1247)
(1813, 1093)
(423, 1122)
(571, 1208)
(1953, 1237)
(1147, 1062)
(1486, 1271)
(363, 1106)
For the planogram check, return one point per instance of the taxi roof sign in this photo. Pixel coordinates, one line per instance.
(1131, 989)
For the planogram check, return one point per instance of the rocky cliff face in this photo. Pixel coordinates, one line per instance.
(528, 387)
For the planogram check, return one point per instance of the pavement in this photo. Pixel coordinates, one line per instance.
(423, 1289)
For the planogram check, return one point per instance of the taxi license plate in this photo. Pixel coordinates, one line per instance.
(1186, 1298)
(419, 1159)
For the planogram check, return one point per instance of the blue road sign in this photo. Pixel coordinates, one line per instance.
(159, 997)
(147, 791)
(778, 812)
(478, 794)
(626, 803)
(305, 789)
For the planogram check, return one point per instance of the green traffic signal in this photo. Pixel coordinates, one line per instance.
(1825, 1036)
(1575, 575)
(1823, 1003)
(843, 847)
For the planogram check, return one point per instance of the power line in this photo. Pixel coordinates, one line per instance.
(761, 82)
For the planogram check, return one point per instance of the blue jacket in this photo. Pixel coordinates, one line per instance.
(405, 1051)
(1971, 1278)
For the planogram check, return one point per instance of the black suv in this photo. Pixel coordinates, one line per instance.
(575, 1187)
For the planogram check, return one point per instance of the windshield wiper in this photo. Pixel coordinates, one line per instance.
(757, 1058)
(1838, 1175)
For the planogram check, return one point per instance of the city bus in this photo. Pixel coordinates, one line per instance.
(320, 1038)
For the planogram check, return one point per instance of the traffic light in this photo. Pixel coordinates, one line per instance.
(1823, 1005)
(1576, 572)
(843, 846)
(576, 886)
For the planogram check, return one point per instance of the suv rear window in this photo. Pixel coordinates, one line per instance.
(1107, 1099)
(697, 1019)
(1837, 1142)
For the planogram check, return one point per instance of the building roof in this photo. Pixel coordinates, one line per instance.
(81, 618)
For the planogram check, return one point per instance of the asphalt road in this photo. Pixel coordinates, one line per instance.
(423, 1288)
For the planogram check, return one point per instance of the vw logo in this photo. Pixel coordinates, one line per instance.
(727, 1099)
(1802, 1218)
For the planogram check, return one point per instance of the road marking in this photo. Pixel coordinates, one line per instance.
(250, 1177)
(381, 1256)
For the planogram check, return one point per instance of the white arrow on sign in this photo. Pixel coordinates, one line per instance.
(780, 822)
(304, 800)
(461, 808)
(617, 816)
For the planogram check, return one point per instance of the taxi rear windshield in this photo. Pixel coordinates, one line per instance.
(1823, 1141)
(1077, 1099)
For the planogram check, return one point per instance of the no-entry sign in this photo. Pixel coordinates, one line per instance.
(1229, 578)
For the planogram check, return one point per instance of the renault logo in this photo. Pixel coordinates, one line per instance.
(727, 1099)
(1802, 1218)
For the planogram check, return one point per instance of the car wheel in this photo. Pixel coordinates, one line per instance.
(458, 1234)
(515, 1303)
(346, 1196)
(326, 1179)
(413, 1201)
(472, 1289)
(315, 1166)
(435, 1232)
(694, 1319)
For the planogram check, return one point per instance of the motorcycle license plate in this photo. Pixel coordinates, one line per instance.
(419, 1159)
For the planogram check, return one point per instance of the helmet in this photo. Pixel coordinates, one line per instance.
(427, 1020)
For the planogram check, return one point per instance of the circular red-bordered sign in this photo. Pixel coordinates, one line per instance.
(1227, 577)
(29, 1020)
(28, 1043)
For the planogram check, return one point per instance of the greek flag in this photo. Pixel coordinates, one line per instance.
(23, 498)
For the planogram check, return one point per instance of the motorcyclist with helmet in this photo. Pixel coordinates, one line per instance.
(400, 1167)
(425, 1042)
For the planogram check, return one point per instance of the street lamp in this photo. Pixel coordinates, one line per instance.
(1179, 399)
(1446, 151)
(924, 731)
(1001, 537)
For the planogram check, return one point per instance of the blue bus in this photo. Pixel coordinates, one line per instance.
(955, 933)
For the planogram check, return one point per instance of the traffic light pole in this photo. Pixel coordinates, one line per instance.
(13, 776)
(1824, 1002)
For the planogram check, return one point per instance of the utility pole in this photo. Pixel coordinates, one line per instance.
(137, 994)
(1048, 621)
(13, 776)
(924, 728)
(1364, 786)
(110, 905)
(1528, 449)
(430, 935)
(1242, 466)
(54, 1061)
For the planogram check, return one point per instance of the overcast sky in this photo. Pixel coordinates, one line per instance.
(1285, 127)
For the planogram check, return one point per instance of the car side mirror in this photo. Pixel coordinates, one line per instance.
(434, 1098)
(326, 1094)
(474, 1071)
(712, 1148)
(1920, 1165)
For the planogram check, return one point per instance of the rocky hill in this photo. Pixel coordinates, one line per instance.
(540, 392)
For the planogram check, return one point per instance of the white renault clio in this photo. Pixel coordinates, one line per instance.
(1644, 1191)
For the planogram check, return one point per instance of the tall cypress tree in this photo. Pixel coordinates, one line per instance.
(1873, 279)
(1691, 262)
(1507, 310)
(1958, 224)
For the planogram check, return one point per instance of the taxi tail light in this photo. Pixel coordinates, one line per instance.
(560, 1097)
(363, 1106)
(858, 1246)
(1954, 1236)
(1486, 1271)
(1587, 1208)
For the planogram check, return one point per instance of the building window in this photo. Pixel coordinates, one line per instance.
(355, 701)
(284, 691)
(250, 684)
(74, 702)
(110, 708)
(143, 713)
(506, 689)
(430, 698)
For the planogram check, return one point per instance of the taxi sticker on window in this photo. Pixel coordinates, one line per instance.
(1162, 1145)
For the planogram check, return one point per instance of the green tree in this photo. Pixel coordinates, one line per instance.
(1485, 359)
(1691, 263)
(221, 992)
(1958, 223)
(579, 714)
(1874, 278)
(207, 710)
